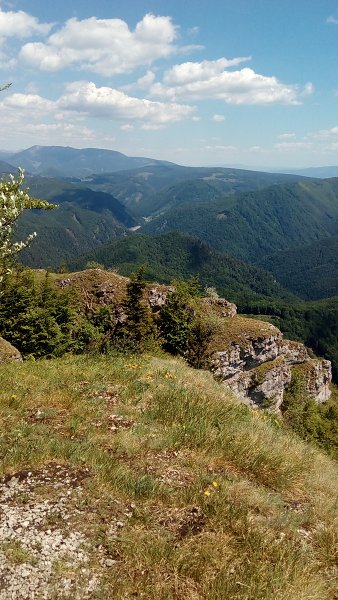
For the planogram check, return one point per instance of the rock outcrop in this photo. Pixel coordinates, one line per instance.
(252, 358)
(249, 356)
(8, 353)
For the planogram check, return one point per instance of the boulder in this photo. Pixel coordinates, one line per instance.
(8, 353)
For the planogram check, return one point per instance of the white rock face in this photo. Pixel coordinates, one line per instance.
(238, 358)
(318, 376)
(259, 369)
(264, 392)
(256, 362)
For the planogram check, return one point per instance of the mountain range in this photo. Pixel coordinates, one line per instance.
(267, 241)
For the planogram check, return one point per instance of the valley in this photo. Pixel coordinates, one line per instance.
(265, 241)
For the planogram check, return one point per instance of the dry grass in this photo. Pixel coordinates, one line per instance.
(190, 495)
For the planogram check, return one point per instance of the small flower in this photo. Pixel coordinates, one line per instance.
(215, 484)
(207, 493)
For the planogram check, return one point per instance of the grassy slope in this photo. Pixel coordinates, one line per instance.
(220, 502)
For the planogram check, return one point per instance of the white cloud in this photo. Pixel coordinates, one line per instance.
(127, 127)
(326, 133)
(142, 83)
(193, 31)
(194, 72)
(21, 25)
(27, 117)
(104, 46)
(211, 79)
(286, 136)
(220, 148)
(109, 103)
(291, 146)
(29, 101)
(218, 118)
(332, 20)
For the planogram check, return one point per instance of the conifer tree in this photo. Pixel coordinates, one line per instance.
(138, 329)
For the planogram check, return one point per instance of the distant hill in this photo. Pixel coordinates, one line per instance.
(175, 255)
(320, 172)
(60, 161)
(253, 225)
(5, 167)
(309, 271)
(151, 189)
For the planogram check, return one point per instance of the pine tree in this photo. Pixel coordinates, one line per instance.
(137, 330)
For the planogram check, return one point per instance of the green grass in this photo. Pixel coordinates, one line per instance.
(216, 501)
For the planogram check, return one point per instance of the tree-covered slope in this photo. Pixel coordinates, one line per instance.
(309, 271)
(175, 255)
(258, 223)
(64, 233)
(83, 220)
(150, 189)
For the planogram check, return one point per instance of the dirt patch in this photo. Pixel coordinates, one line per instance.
(182, 522)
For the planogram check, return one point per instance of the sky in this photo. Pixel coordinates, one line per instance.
(250, 83)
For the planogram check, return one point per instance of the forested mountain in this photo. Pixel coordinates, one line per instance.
(83, 220)
(310, 271)
(175, 255)
(60, 161)
(148, 190)
(65, 233)
(255, 224)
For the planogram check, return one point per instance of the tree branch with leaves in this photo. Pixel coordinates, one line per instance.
(13, 202)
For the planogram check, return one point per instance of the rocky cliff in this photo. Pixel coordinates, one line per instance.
(249, 356)
(252, 358)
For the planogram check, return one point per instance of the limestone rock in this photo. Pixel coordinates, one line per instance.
(157, 296)
(251, 358)
(317, 376)
(225, 308)
(8, 353)
(294, 352)
(243, 357)
(263, 387)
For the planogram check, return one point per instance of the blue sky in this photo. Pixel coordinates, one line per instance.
(198, 82)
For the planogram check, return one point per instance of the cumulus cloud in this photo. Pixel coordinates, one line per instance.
(218, 118)
(81, 100)
(104, 46)
(109, 103)
(213, 79)
(21, 25)
(29, 101)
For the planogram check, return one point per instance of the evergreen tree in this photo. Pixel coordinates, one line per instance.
(137, 330)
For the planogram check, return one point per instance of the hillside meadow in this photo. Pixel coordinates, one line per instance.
(175, 490)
